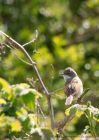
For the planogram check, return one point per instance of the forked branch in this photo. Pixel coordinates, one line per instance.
(10, 41)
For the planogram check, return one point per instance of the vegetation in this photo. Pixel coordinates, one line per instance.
(59, 34)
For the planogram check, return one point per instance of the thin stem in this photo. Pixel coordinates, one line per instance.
(55, 91)
(41, 111)
(33, 40)
(17, 55)
(29, 42)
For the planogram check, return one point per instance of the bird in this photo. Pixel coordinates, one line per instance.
(73, 87)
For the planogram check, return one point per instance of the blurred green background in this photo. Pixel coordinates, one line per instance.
(68, 35)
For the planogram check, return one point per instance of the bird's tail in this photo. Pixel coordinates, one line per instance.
(69, 100)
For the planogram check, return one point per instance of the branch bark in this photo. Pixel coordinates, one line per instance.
(11, 41)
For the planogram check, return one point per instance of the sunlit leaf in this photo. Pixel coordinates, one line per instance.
(23, 89)
(92, 3)
(32, 91)
(72, 109)
(24, 85)
(79, 113)
(22, 114)
(2, 101)
(96, 117)
(76, 110)
(29, 97)
(59, 40)
(16, 126)
(29, 100)
(7, 123)
(5, 85)
(94, 111)
(27, 94)
(33, 120)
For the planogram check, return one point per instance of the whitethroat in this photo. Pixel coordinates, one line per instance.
(73, 85)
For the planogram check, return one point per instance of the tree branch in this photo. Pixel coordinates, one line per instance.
(12, 42)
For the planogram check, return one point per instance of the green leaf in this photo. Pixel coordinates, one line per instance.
(4, 84)
(22, 114)
(32, 91)
(9, 123)
(95, 112)
(72, 110)
(27, 95)
(6, 90)
(23, 89)
(29, 100)
(76, 109)
(2, 101)
(96, 117)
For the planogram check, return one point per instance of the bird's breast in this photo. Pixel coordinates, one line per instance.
(74, 87)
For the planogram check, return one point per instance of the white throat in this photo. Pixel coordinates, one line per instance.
(66, 77)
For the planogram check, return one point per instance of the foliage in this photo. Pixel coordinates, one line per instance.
(17, 113)
(91, 113)
(68, 36)
(19, 117)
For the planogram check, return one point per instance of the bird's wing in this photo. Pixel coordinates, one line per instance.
(72, 88)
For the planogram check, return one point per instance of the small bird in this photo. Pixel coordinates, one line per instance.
(73, 85)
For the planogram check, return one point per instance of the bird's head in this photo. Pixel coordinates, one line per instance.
(69, 74)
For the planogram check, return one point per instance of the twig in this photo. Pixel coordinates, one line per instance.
(17, 55)
(81, 97)
(11, 41)
(55, 91)
(42, 113)
(33, 40)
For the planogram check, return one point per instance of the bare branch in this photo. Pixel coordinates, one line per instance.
(33, 40)
(12, 42)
